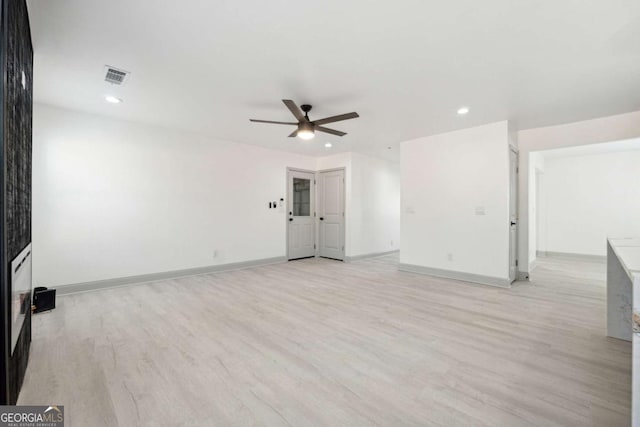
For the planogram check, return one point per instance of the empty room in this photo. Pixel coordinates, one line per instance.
(320, 214)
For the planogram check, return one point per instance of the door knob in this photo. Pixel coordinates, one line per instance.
(513, 223)
(290, 219)
(321, 218)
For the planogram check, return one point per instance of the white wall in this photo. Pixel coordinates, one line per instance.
(590, 198)
(115, 199)
(445, 179)
(614, 128)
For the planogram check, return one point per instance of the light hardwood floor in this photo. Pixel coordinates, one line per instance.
(319, 342)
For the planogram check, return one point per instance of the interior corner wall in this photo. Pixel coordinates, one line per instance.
(536, 166)
(116, 199)
(455, 202)
(375, 221)
(605, 129)
(590, 198)
(540, 236)
(372, 208)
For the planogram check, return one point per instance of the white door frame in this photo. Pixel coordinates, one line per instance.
(287, 206)
(514, 150)
(344, 206)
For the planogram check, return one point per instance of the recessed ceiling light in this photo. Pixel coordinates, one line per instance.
(328, 145)
(463, 110)
(112, 99)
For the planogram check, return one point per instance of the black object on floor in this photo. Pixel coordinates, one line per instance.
(44, 299)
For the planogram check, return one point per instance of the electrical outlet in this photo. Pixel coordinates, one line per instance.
(449, 257)
(215, 253)
(392, 243)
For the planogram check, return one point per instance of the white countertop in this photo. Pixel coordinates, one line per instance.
(628, 252)
(625, 241)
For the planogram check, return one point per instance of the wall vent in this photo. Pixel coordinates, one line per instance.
(115, 76)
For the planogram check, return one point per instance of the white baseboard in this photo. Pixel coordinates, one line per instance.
(365, 256)
(152, 277)
(573, 256)
(456, 275)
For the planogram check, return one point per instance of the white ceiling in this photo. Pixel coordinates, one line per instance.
(590, 149)
(405, 66)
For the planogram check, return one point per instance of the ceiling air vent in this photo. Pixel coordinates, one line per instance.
(115, 76)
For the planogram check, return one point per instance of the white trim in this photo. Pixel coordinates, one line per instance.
(515, 150)
(456, 275)
(153, 277)
(366, 256)
(573, 256)
(341, 168)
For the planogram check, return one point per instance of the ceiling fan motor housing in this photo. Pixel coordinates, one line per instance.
(306, 126)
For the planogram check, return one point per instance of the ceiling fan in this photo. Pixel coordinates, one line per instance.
(306, 127)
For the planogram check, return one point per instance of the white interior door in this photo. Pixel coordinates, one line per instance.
(331, 214)
(301, 223)
(513, 215)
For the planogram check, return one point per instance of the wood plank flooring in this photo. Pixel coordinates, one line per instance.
(319, 342)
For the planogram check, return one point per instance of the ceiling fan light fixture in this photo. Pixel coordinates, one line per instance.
(305, 131)
(306, 134)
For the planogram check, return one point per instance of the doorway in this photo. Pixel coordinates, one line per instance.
(579, 197)
(301, 231)
(331, 219)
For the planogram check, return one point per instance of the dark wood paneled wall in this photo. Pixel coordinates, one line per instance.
(16, 113)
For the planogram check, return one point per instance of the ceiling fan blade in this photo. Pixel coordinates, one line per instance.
(295, 110)
(336, 118)
(331, 131)
(272, 122)
(294, 134)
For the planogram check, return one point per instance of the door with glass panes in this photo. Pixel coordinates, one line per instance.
(301, 221)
